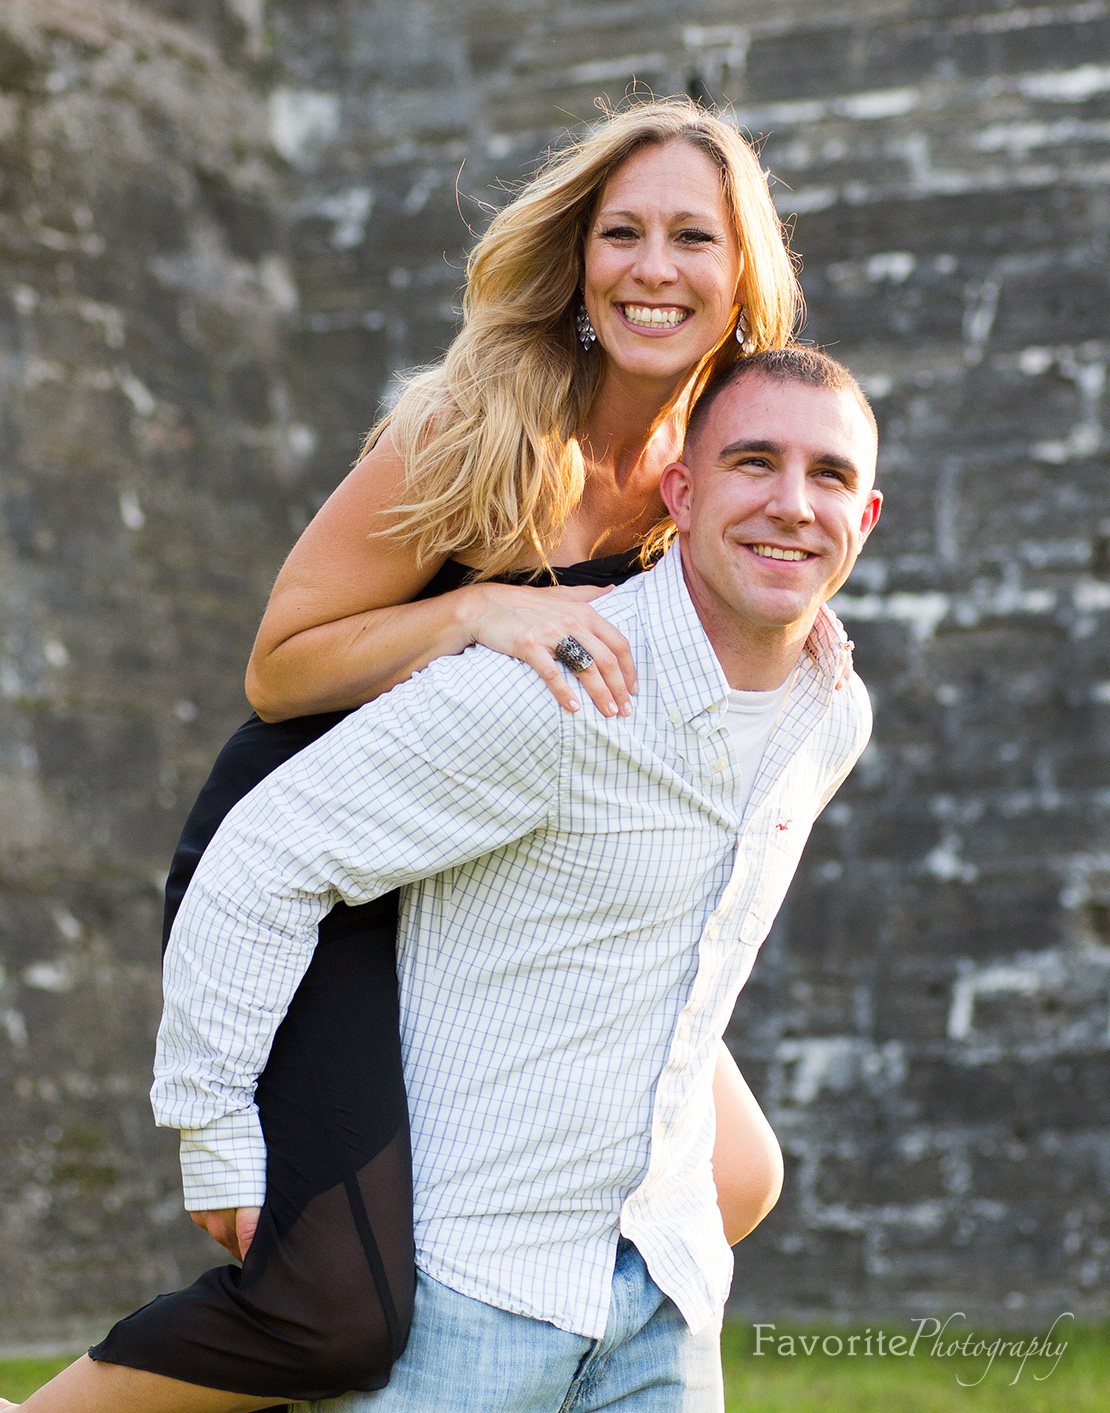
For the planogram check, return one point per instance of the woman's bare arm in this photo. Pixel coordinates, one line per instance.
(747, 1160)
(341, 627)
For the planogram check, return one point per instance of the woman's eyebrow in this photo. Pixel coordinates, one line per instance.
(607, 215)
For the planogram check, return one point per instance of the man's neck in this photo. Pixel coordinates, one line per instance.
(754, 658)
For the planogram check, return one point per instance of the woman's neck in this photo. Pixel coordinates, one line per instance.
(632, 432)
(630, 419)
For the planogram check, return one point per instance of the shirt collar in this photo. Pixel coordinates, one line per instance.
(691, 679)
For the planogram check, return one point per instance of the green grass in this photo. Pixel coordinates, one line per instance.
(20, 1377)
(826, 1383)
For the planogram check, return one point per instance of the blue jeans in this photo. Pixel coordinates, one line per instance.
(464, 1356)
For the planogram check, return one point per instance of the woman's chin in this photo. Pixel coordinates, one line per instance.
(659, 361)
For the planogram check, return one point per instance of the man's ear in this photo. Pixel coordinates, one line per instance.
(676, 487)
(870, 513)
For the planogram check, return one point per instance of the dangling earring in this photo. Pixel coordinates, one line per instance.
(744, 332)
(586, 335)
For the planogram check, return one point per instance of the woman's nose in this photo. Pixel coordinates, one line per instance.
(654, 261)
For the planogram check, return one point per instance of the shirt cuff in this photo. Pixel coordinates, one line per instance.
(223, 1164)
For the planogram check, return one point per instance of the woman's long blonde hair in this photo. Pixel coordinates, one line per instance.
(489, 436)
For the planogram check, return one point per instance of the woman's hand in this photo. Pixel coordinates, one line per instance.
(527, 623)
(232, 1227)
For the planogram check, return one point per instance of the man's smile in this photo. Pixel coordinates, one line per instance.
(776, 552)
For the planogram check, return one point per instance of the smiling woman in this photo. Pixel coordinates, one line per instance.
(662, 263)
(529, 459)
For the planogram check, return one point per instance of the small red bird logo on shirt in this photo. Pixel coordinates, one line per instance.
(784, 824)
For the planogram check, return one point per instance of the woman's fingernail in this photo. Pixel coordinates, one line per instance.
(574, 704)
(626, 710)
(611, 709)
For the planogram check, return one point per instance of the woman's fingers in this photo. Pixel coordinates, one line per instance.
(604, 681)
(611, 681)
(246, 1224)
(232, 1227)
(542, 661)
(529, 624)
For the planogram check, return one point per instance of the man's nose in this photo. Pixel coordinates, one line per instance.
(788, 503)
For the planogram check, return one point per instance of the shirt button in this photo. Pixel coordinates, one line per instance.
(720, 764)
(713, 931)
(684, 1029)
(676, 718)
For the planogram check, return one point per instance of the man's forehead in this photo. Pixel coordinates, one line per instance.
(790, 414)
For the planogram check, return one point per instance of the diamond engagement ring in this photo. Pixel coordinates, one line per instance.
(570, 652)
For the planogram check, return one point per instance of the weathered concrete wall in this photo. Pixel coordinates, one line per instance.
(225, 223)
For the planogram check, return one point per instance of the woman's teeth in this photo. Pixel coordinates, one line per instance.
(654, 318)
(773, 552)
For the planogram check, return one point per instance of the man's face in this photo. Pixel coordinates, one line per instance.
(774, 501)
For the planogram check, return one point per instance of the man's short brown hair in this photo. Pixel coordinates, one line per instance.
(796, 363)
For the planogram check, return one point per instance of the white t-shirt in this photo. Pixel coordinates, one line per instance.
(750, 718)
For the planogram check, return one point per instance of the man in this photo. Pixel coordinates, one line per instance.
(587, 897)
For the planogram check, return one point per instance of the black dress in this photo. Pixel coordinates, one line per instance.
(323, 1301)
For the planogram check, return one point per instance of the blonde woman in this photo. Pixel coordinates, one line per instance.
(509, 486)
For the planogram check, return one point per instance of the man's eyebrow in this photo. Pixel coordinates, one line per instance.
(740, 448)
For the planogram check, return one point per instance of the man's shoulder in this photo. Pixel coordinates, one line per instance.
(473, 696)
(481, 676)
(854, 699)
(624, 605)
(849, 719)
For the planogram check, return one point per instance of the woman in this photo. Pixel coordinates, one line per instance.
(635, 264)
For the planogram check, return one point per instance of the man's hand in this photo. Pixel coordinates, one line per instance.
(232, 1227)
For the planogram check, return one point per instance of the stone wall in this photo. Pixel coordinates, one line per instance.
(224, 225)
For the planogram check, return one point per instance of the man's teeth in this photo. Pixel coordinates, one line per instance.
(773, 552)
(653, 318)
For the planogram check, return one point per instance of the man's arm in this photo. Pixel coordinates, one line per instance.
(451, 765)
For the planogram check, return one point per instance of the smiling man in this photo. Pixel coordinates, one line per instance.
(585, 898)
(773, 501)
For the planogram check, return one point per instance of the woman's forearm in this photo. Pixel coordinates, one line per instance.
(341, 665)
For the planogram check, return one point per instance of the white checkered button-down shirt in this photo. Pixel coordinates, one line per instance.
(587, 898)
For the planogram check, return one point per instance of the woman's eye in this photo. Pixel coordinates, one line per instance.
(619, 233)
(696, 237)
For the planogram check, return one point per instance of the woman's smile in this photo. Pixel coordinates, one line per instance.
(653, 318)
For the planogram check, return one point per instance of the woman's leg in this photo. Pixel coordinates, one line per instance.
(323, 1301)
(89, 1387)
(747, 1159)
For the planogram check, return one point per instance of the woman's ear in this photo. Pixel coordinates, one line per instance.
(676, 487)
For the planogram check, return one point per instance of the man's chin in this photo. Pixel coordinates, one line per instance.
(774, 611)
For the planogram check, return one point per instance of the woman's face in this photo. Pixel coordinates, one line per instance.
(663, 264)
